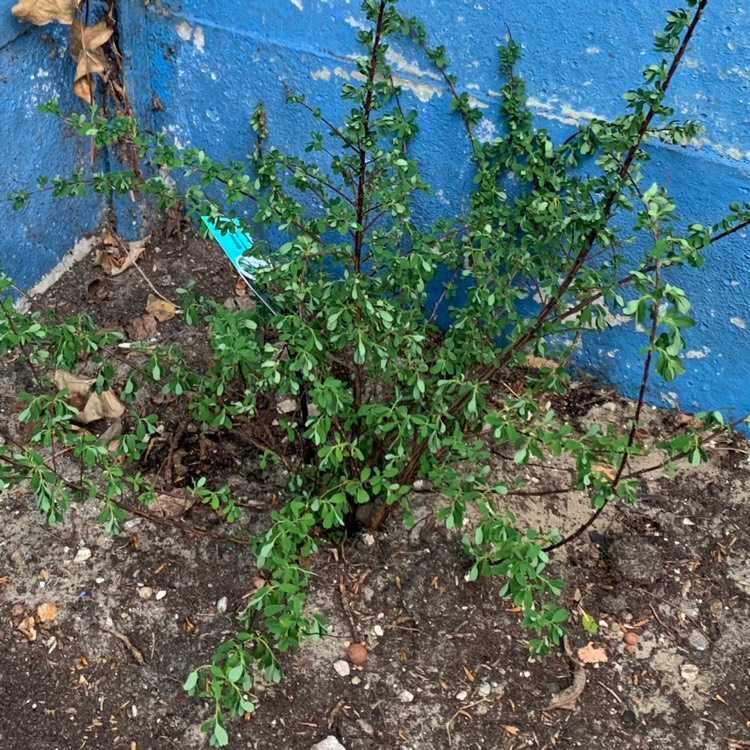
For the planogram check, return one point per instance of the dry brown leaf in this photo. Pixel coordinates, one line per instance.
(46, 612)
(86, 47)
(160, 308)
(114, 264)
(142, 328)
(172, 505)
(605, 469)
(27, 628)
(103, 405)
(589, 654)
(688, 419)
(41, 12)
(510, 729)
(566, 699)
(469, 675)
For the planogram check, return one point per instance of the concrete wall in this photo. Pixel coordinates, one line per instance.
(209, 61)
(35, 67)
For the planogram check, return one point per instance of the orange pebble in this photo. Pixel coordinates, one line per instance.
(357, 654)
(631, 638)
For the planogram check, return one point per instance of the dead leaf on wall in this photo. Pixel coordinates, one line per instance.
(41, 12)
(87, 48)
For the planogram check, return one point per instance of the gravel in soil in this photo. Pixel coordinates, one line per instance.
(446, 666)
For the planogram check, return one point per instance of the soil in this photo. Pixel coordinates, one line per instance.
(448, 664)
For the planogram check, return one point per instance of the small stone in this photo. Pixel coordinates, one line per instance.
(420, 485)
(160, 595)
(631, 638)
(221, 605)
(485, 688)
(405, 696)
(689, 672)
(628, 717)
(82, 555)
(368, 539)
(462, 695)
(146, 592)
(287, 406)
(378, 630)
(687, 522)
(357, 653)
(698, 640)
(329, 743)
(100, 580)
(716, 607)
(342, 668)
(356, 680)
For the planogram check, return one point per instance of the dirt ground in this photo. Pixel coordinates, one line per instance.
(448, 664)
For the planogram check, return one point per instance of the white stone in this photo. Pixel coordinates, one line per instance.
(160, 594)
(689, 672)
(342, 668)
(406, 696)
(329, 743)
(82, 555)
(221, 605)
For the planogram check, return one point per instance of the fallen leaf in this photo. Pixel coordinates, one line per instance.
(142, 328)
(114, 264)
(688, 419)
(104, 405)
(160, 308)
(41, 12)
(510, 729)
(86, 47)
(172, 505)
(46, 612)
(469, 675)
(97, 290)
(27, 628)
(605, 469)
(589, 654)
(566, 699)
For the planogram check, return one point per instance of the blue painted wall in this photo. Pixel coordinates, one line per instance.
(35, 66)
(210, 61)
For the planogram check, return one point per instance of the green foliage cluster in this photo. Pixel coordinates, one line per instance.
(386, 396)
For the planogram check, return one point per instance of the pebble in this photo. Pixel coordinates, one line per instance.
(368, 539)
(287, 406)
(100, 580)
(698, 640)
(146, 592)
(405, 696)
(689, 672)
(342, 668)
(356, 680)
(378, 630)
(221, 605)
(485, 688)
(628, 717)
(329, 743)
(461, 696)
(160, 595)
(82, 555)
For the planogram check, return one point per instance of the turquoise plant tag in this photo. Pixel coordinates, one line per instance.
(237, 244)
